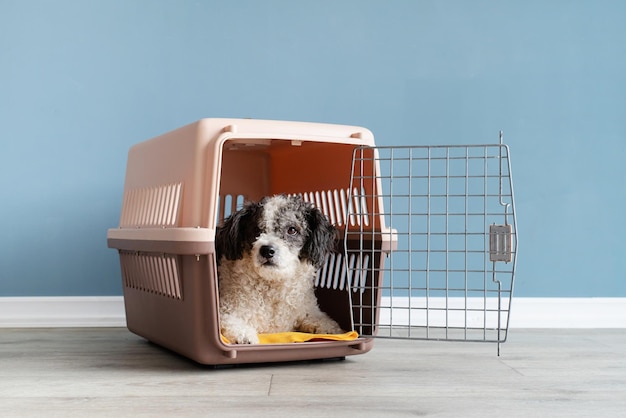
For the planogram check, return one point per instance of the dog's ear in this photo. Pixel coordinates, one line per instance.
(233, 236)
(322, 237)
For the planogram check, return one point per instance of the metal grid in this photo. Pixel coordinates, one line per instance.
(440, 220)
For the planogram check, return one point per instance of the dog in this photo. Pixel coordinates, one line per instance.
(268, 257)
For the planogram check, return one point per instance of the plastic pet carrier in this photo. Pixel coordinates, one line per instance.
(408, 264)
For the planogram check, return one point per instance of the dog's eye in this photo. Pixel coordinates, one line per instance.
(292, 231)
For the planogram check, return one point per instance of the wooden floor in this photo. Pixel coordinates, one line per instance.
(111, 372)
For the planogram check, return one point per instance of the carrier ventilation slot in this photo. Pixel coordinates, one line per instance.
(154, 273)
(335, 275)
(335, 204)
(151, 206)
(228, 204)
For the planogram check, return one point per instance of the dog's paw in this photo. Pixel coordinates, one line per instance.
(248, 339)
(241, 337)
(238, 331)
(329, 329)
(320, 325)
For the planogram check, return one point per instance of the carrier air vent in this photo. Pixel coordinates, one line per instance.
(228, 204)
(154, 273)
(334, 275)
(335, 204)
(151, 206)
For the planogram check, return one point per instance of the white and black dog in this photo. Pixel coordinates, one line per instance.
(269, 254)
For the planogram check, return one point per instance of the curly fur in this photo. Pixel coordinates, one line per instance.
(269, 253)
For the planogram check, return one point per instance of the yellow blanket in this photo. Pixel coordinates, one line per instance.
(301, 337)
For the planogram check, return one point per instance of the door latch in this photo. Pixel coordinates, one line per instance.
(500, 243)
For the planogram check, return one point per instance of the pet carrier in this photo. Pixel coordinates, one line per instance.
(181, 185)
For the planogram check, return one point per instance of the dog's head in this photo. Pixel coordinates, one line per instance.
(276, 233)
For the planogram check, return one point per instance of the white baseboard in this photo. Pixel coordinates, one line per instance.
(568, 313)
(95, 311)
(58, 312)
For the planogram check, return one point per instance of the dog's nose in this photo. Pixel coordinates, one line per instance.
(267, 251)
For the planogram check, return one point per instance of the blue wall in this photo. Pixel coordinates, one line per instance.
(81, 81)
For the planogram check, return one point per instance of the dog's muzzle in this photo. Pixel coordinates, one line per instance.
(267, 252)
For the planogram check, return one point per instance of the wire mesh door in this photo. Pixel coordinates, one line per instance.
(433, 231)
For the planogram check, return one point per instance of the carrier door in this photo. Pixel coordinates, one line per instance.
(432, 242)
